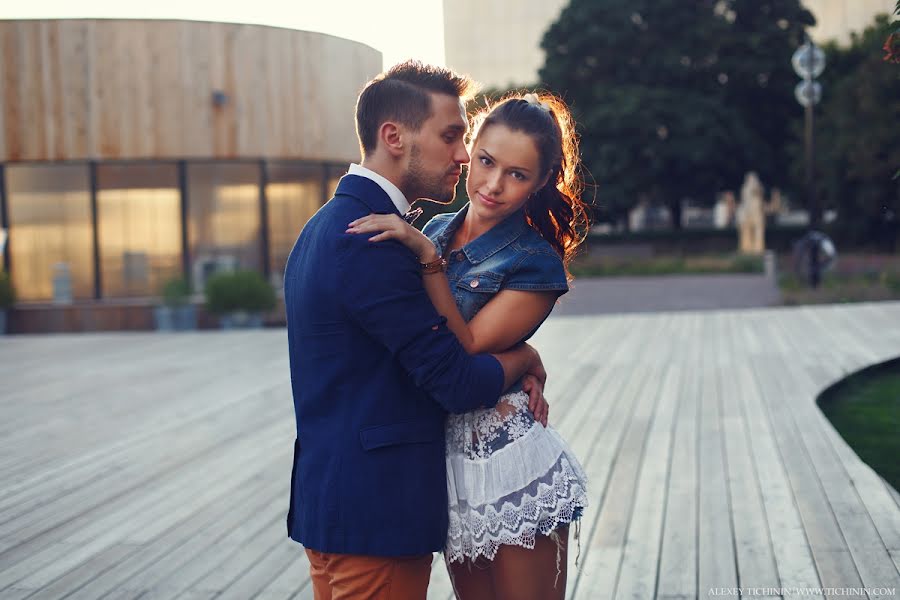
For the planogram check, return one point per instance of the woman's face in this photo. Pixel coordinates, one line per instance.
(503, 172)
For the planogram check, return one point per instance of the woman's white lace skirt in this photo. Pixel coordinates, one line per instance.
(508, 480)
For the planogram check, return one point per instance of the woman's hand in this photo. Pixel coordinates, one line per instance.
(392, 227)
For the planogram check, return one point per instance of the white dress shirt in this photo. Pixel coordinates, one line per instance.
(392, 190)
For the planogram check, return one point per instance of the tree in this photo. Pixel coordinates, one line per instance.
(674, 98)
(755, 54)
(858, 138)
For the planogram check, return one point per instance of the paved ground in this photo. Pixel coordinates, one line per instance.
(156, 466)
(609, 295)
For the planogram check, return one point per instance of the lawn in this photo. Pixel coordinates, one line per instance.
(865, 410)
(607, 266)
(854, 278)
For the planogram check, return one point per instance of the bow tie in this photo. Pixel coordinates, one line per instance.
(412, 214)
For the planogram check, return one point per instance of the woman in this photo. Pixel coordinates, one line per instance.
(494, 270)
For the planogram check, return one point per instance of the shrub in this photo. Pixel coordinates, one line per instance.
(239, 291)
(176, 292)
(7, 293)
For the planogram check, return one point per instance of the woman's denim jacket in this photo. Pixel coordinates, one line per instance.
(511, 255)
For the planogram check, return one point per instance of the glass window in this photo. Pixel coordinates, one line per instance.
(139, 222)
(50, 234)
(334, 176)
(294, 193)
(223, 218)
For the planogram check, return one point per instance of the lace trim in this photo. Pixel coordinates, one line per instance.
(542, 507)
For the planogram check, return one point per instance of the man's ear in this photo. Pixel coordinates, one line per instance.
(391, 135)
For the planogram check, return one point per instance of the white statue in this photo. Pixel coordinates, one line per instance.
(751, 217)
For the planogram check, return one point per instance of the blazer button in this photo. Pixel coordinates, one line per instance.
(474, 283)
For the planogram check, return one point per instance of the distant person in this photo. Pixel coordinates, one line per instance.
(374, 368)
(514, 485)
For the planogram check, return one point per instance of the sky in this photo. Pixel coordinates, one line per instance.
(400, 29)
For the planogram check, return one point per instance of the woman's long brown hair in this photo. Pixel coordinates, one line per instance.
(556, 210)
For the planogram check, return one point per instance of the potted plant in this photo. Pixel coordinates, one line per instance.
(7, 299)
(177, 313)
(239, 298)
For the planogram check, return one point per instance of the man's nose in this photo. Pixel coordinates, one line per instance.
(461, 156)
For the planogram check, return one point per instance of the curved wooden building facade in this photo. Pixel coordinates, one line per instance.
(137, 151)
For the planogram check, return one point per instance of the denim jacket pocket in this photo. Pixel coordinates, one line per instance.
(473, 291)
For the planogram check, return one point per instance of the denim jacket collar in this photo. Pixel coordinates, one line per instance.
(490, 242)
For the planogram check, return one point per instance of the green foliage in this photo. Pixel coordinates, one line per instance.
(676, 99)
(7, 293)
(858, 137)
(239, 291)
(176, 292)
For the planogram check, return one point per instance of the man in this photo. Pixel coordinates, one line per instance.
(374, 368)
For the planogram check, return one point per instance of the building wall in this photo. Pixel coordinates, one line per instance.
(500, 46)
(134, 89)
(837, 19)
(497, 42)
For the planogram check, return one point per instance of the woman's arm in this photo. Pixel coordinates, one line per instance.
(500, 324)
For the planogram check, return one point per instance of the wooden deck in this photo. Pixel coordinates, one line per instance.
(157, 466)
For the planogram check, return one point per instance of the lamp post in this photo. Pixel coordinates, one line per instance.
(809, 62)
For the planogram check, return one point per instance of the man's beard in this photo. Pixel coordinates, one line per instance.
(418, 183)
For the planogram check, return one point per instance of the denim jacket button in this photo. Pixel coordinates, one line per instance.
(459, 256)
(474, 283)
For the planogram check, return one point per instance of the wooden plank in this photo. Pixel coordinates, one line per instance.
(293, 578)
(859, 533)
(183, 449)
(753, 546)
(637, 580)
(136, 522)
(159, 566)
(728, 394)
(716, 564)
(605, 544)
(596, 447)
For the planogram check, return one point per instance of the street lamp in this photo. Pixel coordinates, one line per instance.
(809, 62)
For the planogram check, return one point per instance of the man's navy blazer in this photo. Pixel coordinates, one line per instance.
(374, 371)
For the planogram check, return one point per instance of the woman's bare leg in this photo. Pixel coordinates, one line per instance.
(472, 581)
(539, 574)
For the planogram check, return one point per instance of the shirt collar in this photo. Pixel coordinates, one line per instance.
(390, 189)
(490, 242)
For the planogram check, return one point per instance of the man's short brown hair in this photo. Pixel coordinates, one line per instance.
(401, 94)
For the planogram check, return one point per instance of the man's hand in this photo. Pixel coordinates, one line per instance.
(537, 404)
(537, 366)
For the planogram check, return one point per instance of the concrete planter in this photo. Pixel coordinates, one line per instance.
(175, 318)
(241, 320)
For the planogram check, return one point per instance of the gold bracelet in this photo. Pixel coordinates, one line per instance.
(435, 266)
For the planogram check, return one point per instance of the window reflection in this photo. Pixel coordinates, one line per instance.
(139, 216)
(49, 211)
(223, 218)
(294, 194)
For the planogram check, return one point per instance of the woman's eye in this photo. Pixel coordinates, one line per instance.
(485, 161)
(518, 176)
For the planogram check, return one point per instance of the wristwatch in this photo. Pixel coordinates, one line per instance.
(435, 266)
